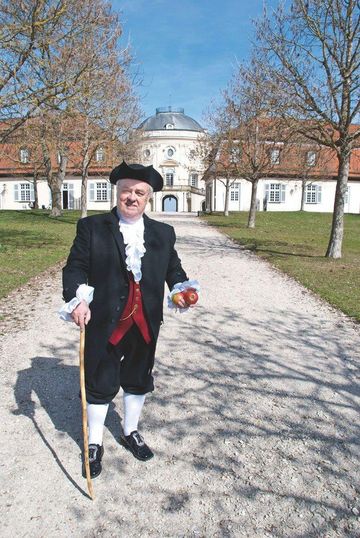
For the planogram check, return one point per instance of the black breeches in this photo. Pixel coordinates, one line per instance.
(128, 365)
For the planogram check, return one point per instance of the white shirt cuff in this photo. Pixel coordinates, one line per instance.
(83, 293)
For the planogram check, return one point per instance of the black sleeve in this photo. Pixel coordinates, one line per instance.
(76, 269)
(175, 272)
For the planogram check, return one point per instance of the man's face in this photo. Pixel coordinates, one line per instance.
(132, 197)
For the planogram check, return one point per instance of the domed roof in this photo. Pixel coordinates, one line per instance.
(170, 119)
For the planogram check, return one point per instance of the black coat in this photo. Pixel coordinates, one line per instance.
(97, 258)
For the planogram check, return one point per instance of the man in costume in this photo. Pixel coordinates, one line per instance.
(114, 284)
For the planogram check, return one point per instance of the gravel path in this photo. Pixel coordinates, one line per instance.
(254, 423)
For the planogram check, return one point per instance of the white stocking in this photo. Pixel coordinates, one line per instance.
(133, 404)
(96, 418)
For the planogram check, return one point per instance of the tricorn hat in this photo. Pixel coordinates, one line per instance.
(137, 171)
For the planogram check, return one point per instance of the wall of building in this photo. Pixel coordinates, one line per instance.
(174, 152)
(17, 193)
(282, 195)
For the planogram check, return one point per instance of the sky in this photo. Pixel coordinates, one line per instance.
(186, 51)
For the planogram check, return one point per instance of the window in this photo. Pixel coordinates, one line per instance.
(147, 153)
(170, 152)
(193, 180)
(24, 192)
(169, 178)
(275, 156)
(100, 191)
(100, 155)
(24, 155)
(313, 194)
(311, 158)
(235, 192)
(275, 193)
(68, 199)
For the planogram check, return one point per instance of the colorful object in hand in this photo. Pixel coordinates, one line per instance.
(176, 298)
(189, 295)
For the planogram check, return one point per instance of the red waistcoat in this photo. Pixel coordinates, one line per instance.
(133, 313)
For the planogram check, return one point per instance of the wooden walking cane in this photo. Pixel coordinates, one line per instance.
(84, 414)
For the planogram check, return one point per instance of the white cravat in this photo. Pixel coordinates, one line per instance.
(133, 234)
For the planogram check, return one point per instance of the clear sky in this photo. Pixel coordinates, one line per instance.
(186, 50)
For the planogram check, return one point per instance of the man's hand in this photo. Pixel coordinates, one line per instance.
(178, 300)
(81, 315)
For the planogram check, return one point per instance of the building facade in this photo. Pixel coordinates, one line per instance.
(302, 177)
(296, 176)
(169, 141)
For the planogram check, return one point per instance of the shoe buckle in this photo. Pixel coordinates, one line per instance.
(93, 454)
(138, 439)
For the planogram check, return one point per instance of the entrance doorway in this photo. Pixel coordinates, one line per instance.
(169, 203)
(68, 196)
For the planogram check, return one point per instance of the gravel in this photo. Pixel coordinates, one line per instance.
(254, 421)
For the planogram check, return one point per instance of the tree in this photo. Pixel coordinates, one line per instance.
(214, 150)
(33, 32)
(259, 134)
(79, 120)
(311, 53)
(246, 133)
(105, 103)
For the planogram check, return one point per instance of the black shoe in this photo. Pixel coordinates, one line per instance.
(136, 444)
(96, 453)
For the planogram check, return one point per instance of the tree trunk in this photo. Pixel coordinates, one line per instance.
(337, 229)
(226, 205)
(303, 194)
(83, 199)
(55, 188)
(84, 172)
(252, 212)
(57, 181)
(36, 195)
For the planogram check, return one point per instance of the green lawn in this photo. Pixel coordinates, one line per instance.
(296, 243)
(30, 242)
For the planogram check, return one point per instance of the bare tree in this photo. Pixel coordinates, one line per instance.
(312, 54)
(260, 136)
(246, 134)
(77, 117)
(106, 104)
(32, 33)
(309, 162)
(214, 150)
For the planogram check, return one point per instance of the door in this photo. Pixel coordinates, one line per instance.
(169, 204)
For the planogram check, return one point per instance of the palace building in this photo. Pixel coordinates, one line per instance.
(301, 176)
(167, 140)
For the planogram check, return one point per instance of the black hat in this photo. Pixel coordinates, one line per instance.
(137, 171)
